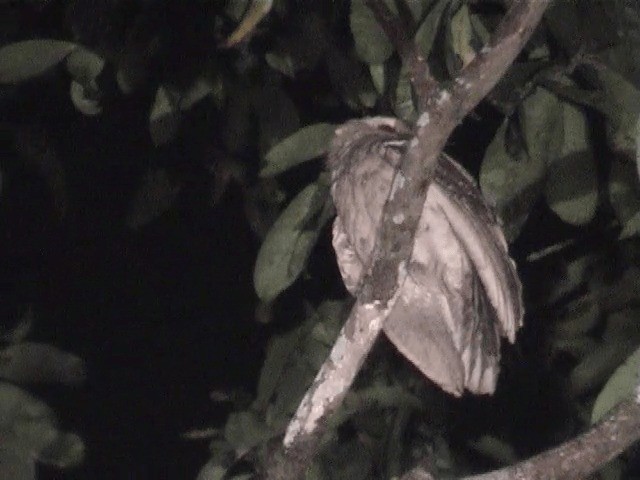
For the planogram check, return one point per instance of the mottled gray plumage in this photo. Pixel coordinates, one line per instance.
(462, 293)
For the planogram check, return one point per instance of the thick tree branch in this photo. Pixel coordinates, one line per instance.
(441, 111)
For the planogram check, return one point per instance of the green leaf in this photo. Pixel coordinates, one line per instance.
(16, 464)
(244, 430)
(281, 62)
(212, 471)
(28, 59)
(571, 188)
(83, 99)
(165, 116)
(84, 66)
(372, 44)
(599, 364)
(285, 250)
(199, 89)
(30, 362)
(426, 33)
(350, 80)
(378, 77)
(621, 104)
(579, 318)
(28, 428)
(514, 184)
(620, 386)
(624, 195)
(496, 449)
(279, 352)
(417, 8)
(543, 121)
(293, 359)
(638, 145)
(623, 325)
(67, 450)
(307, 143)
(462, 35)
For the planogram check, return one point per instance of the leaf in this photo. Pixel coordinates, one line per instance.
(624, 195)
(514, 85)
(244, 430)
(428, 29)
(621, 104)
(598, 364)
(28, 59)
(377, 396)
(256, 12)
(279, 352)
(377, 73)
(542, 121)
(580, 317)
(18, 332)
(15, 463)
(281, 62)
(350, 79)
(372, 44)
(514, 185)
(620, 386)
(300, 48)
(66, 451)
(28, 426)
(619, 294)
(578, 347)
(623, 326)
(199, 90)
(154, 197)
(293, 359)
(285, 250)
(462, 35)
(83, 100)
(29, 362)
(307, 143)
(571, 188)
(417, 8)
(85, 66)
(638, 146)
(165, 116)
(212, 471)
(496, 449)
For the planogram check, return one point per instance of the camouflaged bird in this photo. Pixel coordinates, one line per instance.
(462, 292)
